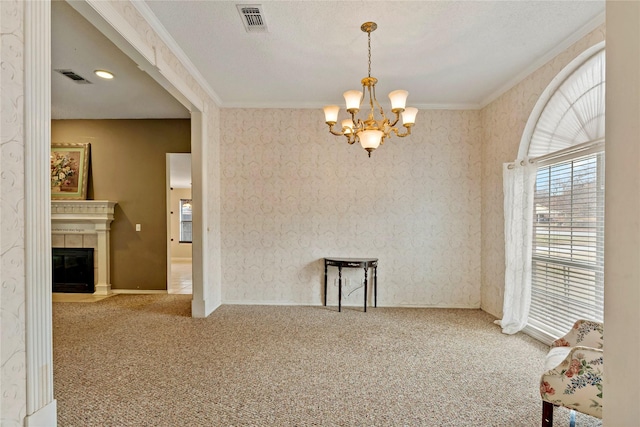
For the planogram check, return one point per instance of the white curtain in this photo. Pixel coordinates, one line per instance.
(518, 184)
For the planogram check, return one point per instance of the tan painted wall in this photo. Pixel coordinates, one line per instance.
(178, 250)
(128, 165)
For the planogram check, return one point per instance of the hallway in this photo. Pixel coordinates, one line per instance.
(181, 277)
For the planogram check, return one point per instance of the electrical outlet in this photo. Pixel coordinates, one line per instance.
(138, 227)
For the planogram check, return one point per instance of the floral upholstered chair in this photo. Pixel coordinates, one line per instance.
(573, 372)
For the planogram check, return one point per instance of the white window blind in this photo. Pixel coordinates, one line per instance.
(186, 234)
(568, 244)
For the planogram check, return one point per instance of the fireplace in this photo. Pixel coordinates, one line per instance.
(73, 270)
(85, 224)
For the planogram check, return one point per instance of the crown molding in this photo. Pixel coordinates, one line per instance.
(173, 46)
(313, 106)
(555, 51)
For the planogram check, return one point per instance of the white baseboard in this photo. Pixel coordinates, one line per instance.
(350, 305)
(102, 289)
(202, 308)
(536, 333)
(138, 291)
(43, 417)
(255, 302)
(464, 307)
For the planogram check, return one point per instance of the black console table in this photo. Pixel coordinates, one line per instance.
(365, 263)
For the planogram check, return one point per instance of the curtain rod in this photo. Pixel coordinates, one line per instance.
(569, 150)
(522, 163)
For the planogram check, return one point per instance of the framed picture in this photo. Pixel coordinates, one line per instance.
(69, 170)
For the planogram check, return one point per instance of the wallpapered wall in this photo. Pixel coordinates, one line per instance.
(503, 123)
(414, 204)
(13, 381)
(293, 194)
(12, 251)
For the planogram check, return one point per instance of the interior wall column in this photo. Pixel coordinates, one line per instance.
(200, 304)
(41, 406)
(103, 285)
(621, 386)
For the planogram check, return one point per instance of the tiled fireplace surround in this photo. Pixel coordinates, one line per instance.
(85, 224)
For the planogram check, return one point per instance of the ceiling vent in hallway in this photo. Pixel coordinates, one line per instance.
(252, 18)
(75, 77)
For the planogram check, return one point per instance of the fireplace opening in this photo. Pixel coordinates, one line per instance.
(73, 270)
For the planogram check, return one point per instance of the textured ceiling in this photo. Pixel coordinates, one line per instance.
(79, 46)
(447, 54)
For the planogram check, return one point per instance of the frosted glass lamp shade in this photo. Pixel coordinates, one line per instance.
(352, 99)
(331, 113)
(370, 138)
(398, 99)
(347, 126)
(409, 115)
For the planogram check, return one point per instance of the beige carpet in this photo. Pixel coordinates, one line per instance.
(71, 297)
(140, 360)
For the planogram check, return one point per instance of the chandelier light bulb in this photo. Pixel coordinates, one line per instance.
(409, 116)
(370, 139)
(347, 126)
(352, 99)
(331, 113)
(398, 100)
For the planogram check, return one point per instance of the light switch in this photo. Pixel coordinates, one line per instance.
(138, 227)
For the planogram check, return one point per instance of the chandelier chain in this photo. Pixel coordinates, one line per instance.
(369, 43)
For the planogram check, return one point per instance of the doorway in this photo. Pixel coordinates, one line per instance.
(37, 372)
(179, 224)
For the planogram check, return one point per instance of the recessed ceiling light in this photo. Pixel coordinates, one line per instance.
(104, 74)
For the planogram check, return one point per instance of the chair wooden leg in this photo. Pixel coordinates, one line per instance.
(547, 414)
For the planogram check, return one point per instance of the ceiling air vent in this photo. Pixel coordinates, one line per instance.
(252, 18)
(75, 77)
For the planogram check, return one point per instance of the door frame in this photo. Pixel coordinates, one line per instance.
(40, 403)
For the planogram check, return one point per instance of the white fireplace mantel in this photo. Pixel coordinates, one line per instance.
(87, 217)
(83, 210)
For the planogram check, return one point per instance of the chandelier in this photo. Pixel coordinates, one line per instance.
(372, 131)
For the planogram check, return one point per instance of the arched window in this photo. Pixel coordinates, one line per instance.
(567, 142)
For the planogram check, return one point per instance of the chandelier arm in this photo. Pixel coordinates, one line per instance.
(358, 125)
(333, 132)
(402, 135)
(374, 99)
(395, 122)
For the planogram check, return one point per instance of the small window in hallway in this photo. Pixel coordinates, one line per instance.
(185, 221)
